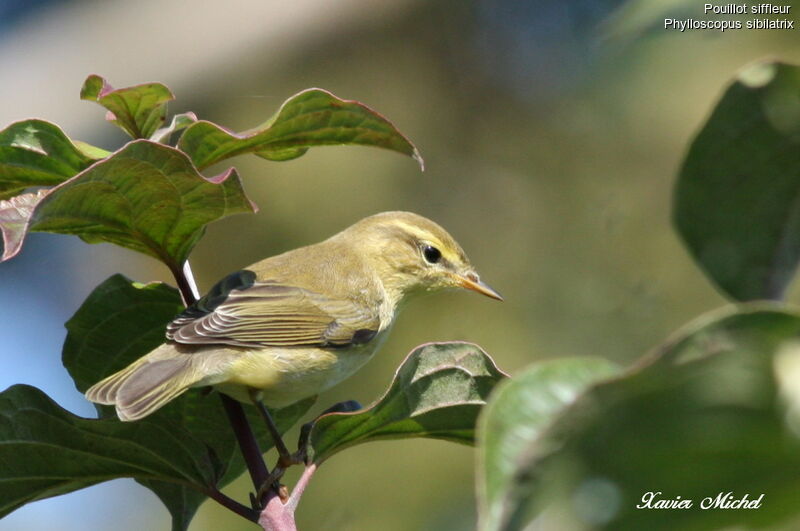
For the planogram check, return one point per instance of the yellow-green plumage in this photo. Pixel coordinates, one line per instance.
(298, 323)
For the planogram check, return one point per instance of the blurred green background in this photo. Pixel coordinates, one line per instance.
(552, 133)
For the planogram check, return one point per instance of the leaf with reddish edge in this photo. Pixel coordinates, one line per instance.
(139, 110)
(313, 117)
(147, 197)
(14, 216)
(38, 153)
(179, 122)
(437, 393)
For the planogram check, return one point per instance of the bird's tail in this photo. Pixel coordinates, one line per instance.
(147, 384)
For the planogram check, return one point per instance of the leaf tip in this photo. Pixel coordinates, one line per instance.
(93, 86)
(416, 155)
(224, 176)
(231, 173)
(10, 252)
(15, 215)
(758, 74)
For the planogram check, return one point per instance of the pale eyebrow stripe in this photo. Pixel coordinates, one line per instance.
(419, 234)
(406, 230)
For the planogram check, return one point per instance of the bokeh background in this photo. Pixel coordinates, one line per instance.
(552, 133)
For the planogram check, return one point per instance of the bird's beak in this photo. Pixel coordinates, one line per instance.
(473, 282)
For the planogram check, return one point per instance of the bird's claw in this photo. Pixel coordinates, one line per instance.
(273, 480)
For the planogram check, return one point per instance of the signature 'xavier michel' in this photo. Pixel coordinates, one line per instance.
(295, 324)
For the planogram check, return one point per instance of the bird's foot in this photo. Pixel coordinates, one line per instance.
(273, 480)
(285, 459)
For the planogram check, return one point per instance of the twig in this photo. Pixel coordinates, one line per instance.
(248, 443)
(186, 284)
(233, 409)
(188, 277)
(301, 485)
(233, 505)
(279, 516)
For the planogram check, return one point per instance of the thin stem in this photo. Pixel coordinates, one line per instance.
(301, 485)
(233, 409)
(188, 276)
(233, 505)
(279, 516)
(248, 444)
(276, 515)
(187, 287)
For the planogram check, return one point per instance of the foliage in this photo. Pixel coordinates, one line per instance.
(712, 411)
(150, 197)
(520, 411)
(121, 321)
(313, 117)
(735, 200)
(702, 416)
(569, 443)
(437, 392)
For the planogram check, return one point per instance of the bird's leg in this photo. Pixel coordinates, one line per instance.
(285, 459)
(271, 427)
(300, 456)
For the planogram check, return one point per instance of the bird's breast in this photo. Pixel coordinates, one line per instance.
(286, 375)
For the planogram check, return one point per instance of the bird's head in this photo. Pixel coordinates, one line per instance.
(412, 253)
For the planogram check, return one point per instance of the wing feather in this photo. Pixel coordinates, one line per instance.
(269, 313)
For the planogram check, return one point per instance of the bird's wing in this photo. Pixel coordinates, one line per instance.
(244, 312)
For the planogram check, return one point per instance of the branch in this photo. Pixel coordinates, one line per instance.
(248, 444)
(279, 516)
(233, 505)
(186, 284)
(234, 410)
(188, 277)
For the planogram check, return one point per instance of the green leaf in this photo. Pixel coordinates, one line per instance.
(93, 152)
(118, 323)
(314, 117)
(138, 110)
(147, 197)
(437, 393)
(178, 123)
(736, 202)
(38, 153)
(118, 317)
(518, 412)
(715, 410)
(14, 216)
(47, 451)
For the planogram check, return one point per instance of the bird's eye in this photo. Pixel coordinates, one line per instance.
(432, 254)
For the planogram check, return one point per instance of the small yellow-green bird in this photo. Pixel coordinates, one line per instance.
(293, 325)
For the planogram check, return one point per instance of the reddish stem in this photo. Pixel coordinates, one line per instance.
(279, 516)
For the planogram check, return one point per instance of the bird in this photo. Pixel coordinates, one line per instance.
(298, 323)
